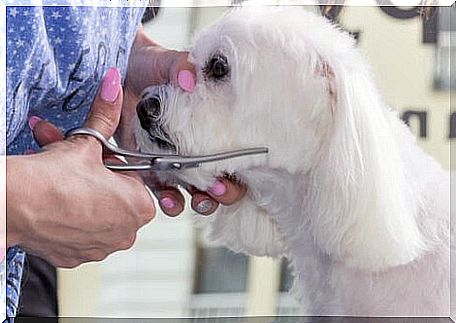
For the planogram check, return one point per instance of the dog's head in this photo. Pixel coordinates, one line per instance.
(289, 80)
(257, 86)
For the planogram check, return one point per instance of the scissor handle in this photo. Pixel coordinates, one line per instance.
(112, 148)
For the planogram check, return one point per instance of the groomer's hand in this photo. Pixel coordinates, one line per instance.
(150, 64)
(63, 204)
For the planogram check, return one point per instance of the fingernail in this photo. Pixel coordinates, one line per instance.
(186, 80)
(167, 203)
(32, 121)
(110, 85)
(218, 188)
(203, 206)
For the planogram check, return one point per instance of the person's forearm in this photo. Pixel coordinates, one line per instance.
(18, 187)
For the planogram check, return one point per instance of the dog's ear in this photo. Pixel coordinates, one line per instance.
(362, 204)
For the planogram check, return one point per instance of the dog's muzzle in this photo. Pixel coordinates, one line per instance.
(150, 115)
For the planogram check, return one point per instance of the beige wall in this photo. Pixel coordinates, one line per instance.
(402, 66)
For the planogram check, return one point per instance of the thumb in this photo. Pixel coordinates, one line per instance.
(151, 64)
(104, 114)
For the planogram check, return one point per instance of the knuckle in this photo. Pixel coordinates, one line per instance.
(127, 243)
(92, 143)
(85, 145)
(113, 223)
(69, 263)
(102, 120)
(149, 212)
(145, 206)
(99, 255)
(93, 255)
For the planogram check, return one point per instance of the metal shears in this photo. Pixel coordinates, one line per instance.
(161, 162)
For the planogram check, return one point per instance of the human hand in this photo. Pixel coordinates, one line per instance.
(63, 204)
(150, 64)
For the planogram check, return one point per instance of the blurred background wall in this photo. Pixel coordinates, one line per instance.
(173, 271)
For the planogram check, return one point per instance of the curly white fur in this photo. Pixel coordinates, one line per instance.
(345, 193)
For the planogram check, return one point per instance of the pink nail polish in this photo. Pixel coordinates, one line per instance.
(32, 121)
(110, 86)
(167, 203)
(218, 188)
(186, 80)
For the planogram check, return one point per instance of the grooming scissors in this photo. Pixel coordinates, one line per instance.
(161, 162)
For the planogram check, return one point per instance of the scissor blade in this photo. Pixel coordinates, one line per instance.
(169, 163)
(179, 162)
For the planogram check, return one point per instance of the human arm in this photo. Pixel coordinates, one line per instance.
(64, 205)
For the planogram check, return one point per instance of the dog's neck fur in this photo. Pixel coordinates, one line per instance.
(326, 283)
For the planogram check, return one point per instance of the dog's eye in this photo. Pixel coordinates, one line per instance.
(217, 67)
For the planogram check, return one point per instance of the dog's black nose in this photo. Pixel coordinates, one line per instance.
(148, 111)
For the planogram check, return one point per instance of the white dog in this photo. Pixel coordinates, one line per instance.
(361, 212)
